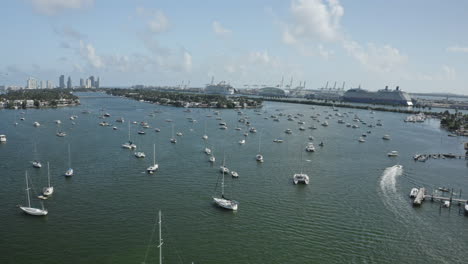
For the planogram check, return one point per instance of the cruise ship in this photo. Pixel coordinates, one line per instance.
(384, 96)
(220, 88)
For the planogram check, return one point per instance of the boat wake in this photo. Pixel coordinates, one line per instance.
(389, 176)
(392, 200)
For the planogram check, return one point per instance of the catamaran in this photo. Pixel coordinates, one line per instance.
(301, 177)
(152, 169)
(30, 210)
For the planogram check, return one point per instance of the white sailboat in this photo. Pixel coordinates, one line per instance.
(223, 201)
(69, 171)
(152, 169)
(30, 210)
(259, 156)
(129, 144)
(173, 139)
(46, 191)
(36, 163)
(205, 136)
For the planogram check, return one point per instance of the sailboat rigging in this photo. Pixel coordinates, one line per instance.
(30, 210)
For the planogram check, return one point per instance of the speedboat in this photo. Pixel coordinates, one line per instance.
(207, 151)
(414, 192)
(301, 178)
(253, 130)
(179, 134)
(310, 147)
(58, 122)
(140, 154)
(288, 131)
(141, 132)
(61, 134)
(37, 164)
(393, 153)
(3, 139)
(173, 140)
(361, 139)
(325, 123)
(234, 174)
(386, 137)
(242, 141)
(278, 140)
(205, 137)
(157, 130)
(302, 128)
(36, 124)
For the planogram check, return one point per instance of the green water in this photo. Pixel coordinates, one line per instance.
(353, 210)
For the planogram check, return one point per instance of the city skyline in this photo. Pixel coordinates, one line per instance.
(418, 45)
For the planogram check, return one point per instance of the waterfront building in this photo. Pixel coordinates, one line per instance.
(49, 84)
(91, 78)
(222, 88)
(31, 83)
(88, 83)
(82, 83)
(43, 84)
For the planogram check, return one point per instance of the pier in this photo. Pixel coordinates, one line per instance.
(446, 201)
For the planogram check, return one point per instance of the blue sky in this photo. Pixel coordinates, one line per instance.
(420, 45)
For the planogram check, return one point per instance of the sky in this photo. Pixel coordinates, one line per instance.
(418, 45)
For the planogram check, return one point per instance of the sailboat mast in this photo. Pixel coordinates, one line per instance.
(259, 143)
(160, 239)
(128, 131)
(48, 173)
(27, 190)
(69, 157)
(154, 154)
(222, 181)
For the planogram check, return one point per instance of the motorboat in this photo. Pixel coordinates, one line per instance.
(212, 159)
(179, 134)
(58, 122)
(114, 128)
(141, 132)
(207, 151)
(36, 124)
(301, 178)
(278, 140)
(104, 123)
(173, 140)
(310, 147)
(242, 141)
(120, 120)
(393, 153)
(386, 137)
(234, 174)
(205, 137)
(3, 139)
(129, 145)
(361, 139)
(223, 127)
(311, 138)
(157, 130)
(302, 128)
(325, 123)
(288, 131)
(37, 164)
(140, 154)
(253, 130)
(61, 134)
(414, 193)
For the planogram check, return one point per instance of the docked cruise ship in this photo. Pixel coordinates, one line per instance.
(220, 88)
(385, 96)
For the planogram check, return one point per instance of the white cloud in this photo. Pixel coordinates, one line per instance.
(88, 52)
(159, 22)
(219, 30)
(457, 48)
(314, 20)
(53, 7)
(187, 61)
(376, 58)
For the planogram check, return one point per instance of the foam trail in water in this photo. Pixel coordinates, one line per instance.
(388, 181)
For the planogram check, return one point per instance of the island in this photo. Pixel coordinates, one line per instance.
(38, 98)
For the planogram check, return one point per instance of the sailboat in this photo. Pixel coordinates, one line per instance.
(129, 144)
(151, 169)
(259, 156)
(301, 177)
(46, 191)
(205, 136)
(36, 163)
(173, 139)
(60, 133)
(30, 210)
(69, 172)
(223, 201)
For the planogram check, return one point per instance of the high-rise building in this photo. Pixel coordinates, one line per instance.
(69, 83)
(97, 82)
(43, 84)
(93, 84)
(49, 84)
(31, 83)
(88, 83)
(82, 83)
(62, 82)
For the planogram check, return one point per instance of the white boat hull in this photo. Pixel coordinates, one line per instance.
(152, 169)
(69, 172)
(33, 211)
(48, 191)
(226, 204)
